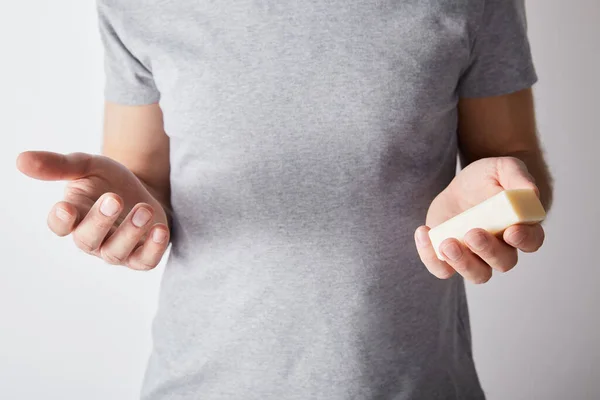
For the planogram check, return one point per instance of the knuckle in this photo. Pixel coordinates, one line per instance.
(84, 159)
(511, 161)
(100, 221)
(425, 258)
(531, 178)
(488, 252)
(429, 260)
(83, 244)
(77, 192)
(111, 258)
(461, 265)
(141, 264)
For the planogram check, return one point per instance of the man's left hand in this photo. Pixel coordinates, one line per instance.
(481, 252)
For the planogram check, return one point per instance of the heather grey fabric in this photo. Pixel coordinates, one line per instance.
(308, 139)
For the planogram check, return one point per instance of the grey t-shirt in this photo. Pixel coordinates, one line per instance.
(307, 141)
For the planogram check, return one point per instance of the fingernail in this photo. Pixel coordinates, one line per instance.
(452, 251)
(63, 215)
(517, 237)
(141, 217)
(159, 236)
(477, 241)
(109, 207)
(421, 237)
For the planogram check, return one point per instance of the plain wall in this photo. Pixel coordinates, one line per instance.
(74, 328)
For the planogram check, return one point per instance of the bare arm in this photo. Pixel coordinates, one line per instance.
(497, 139)
(135, 137)
(504, 126)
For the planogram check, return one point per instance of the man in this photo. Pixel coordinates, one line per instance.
(292, 149)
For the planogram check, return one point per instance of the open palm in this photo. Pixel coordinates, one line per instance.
(106, 208)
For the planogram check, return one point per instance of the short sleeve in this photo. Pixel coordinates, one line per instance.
(128, 80)
(501, 60)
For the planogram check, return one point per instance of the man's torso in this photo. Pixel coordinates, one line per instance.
(307, 142)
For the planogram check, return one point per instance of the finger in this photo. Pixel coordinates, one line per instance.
(92, 230)
(493, 251)
(513, 174)
(459, 257)
(147, 256)
(428, 256)
(62, 218)
(127, 236)
(527, 238)
(47, 166)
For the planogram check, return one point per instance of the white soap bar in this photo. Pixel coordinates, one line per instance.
(510, 207)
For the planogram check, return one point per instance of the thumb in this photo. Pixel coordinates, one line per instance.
(513, 174)
(47, 166)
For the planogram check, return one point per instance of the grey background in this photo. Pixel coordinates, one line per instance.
(74, 328)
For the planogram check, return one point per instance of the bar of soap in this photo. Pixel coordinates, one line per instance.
(509, 207)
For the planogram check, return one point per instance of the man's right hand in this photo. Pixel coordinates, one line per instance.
(108, 211)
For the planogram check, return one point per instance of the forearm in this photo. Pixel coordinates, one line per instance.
(134, 136)
(504, 126)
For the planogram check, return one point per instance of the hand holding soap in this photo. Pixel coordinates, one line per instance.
(507, 208)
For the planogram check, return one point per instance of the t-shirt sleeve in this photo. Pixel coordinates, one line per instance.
(501, 61)
(128, 80)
